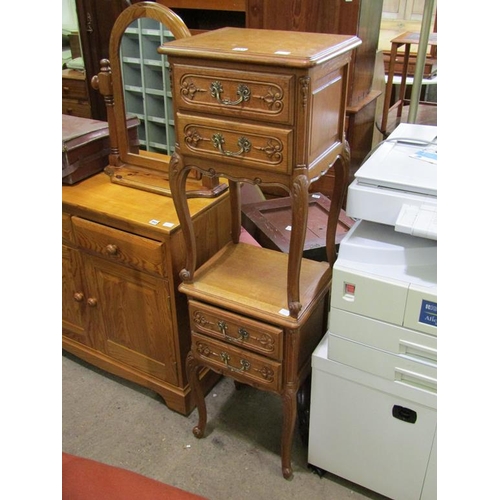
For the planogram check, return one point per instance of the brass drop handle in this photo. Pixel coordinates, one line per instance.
(242, 333)
(245, 365)
(243, 92)
(111, 249)
(243, 143)
(92, 302)
(78, 296)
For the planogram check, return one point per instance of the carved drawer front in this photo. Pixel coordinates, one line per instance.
(237, 363)
(245, 144)
(242, 332)
(119, 246)
(235, 93)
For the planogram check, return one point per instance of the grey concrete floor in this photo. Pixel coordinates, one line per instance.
(108, 419)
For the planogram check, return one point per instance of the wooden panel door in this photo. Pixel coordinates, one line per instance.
(74, 308)
(133, 313)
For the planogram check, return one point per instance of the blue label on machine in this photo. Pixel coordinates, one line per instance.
(429, 313)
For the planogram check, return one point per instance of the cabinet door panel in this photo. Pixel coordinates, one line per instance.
(73, 297)
(135, 315)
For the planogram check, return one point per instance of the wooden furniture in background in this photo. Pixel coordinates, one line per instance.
(268, 108)
(269, 222)
(405, 40)
(121, 309)
(95, 22)
(206, 15)
(85, 146)
(358, 17)
(75, 97)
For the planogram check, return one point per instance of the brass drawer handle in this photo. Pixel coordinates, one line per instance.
(243, 92)
(244, 144)
(245, 365)
(242, 333)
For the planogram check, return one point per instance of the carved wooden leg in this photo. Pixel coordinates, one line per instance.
(289, 399)
(300, 207)
(193, 369)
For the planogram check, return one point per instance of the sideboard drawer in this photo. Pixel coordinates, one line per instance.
(119, 246)
(266, 148)
(226, 92)
(238, 363)
(243, 332)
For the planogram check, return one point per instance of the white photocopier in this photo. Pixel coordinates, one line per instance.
(373, 414)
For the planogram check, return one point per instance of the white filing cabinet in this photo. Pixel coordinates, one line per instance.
(374, 375)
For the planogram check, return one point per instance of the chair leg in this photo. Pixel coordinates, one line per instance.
(193, 369)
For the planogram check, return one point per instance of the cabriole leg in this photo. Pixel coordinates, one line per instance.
(193, 370)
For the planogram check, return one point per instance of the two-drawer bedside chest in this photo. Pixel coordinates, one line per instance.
(265, 107)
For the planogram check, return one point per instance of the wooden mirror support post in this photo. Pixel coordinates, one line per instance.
(268, 108)
(143, 169)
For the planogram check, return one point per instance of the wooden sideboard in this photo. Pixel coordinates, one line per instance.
(121, 309)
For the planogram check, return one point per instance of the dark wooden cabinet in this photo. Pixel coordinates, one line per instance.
(357, 17)
(95, 21)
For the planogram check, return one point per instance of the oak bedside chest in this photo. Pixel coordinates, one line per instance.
(265, 107)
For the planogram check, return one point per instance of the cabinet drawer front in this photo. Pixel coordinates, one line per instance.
(76, 108)
(265, 148)
(239, 331)
(74, 89)
(235, 93)
(135, 251)
(238, 363)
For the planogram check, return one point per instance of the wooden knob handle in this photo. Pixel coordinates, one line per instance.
(78, 296)
(111, 249)
(92, 302)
